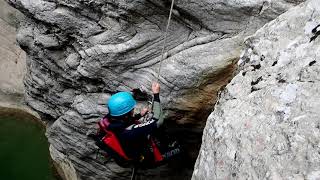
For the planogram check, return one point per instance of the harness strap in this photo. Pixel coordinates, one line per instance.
(103, 124)
(156, 152)
(111, 140)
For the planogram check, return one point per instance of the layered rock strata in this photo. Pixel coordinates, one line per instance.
(80, 52)
(266, 122)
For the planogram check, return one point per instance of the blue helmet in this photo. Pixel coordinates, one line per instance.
(121, 103)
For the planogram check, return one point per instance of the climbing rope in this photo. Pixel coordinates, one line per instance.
(164, 45)
(134, 173)
(165, 40)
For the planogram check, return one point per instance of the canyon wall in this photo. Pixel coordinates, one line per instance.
(266, 123)
(12, 58)
(80, 52)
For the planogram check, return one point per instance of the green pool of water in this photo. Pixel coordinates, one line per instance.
(24, 153)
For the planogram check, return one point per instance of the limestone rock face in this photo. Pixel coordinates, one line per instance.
(12, 58)
(80, 52)
(266, 122)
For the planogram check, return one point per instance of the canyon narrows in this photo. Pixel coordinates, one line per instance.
(80, 52)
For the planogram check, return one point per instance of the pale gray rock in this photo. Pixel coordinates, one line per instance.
(266, 123)
(12, 58)
(80, 52)
(47, 41)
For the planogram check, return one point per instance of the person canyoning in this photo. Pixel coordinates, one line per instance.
(135, 140)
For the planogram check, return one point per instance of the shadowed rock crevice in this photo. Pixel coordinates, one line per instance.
(200, 101)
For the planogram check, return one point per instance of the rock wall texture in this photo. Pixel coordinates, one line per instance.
(12, 58)
(266, 125)
(80, 52)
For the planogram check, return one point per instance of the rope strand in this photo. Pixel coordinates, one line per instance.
(165, 40)
(163, 46)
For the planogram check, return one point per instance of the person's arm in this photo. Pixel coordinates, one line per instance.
(155, 122)
(157, 110)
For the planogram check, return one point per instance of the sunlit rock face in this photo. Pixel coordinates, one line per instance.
(266, 123)
(80, 52)
(12, 58)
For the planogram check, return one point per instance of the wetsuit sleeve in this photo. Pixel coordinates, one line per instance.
(157, 110)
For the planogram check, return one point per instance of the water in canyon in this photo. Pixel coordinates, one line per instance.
(24, 150)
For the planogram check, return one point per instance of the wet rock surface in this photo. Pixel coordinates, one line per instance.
(266, 123)
(80, 52)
